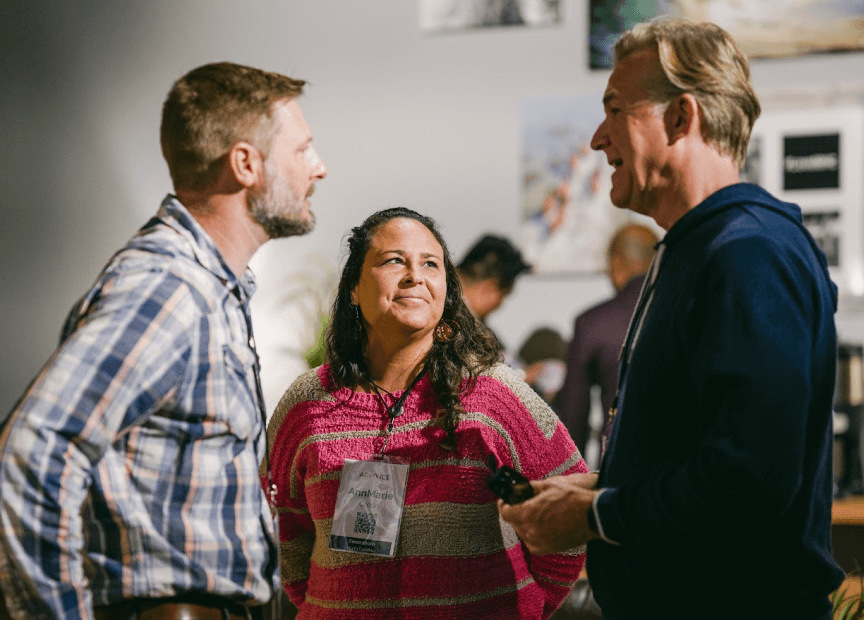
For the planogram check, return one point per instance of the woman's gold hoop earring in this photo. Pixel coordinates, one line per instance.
(445, 331)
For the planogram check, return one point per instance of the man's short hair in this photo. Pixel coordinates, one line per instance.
(213, 107)
(703, 60)
(544, 343)
(493, 257)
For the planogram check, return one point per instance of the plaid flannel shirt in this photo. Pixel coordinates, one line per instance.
(129, 468)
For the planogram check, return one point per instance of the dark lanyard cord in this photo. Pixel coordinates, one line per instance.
(256, 368)
(635, 327)
(394, 410)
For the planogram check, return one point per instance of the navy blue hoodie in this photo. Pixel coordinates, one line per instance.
(718, 467)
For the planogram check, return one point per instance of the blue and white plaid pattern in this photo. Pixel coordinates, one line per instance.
(132, 460)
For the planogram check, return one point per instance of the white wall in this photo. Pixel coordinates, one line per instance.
(400, 118)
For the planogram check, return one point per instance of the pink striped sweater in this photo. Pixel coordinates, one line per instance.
(455, 558)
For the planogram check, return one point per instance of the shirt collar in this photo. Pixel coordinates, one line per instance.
(174, 214)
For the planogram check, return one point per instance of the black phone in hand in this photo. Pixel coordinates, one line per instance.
(508, 484)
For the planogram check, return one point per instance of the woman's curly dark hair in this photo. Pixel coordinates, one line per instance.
(472, 349)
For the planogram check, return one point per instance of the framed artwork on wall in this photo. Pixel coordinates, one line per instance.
(455, 15)
(567, 218)
(763, 28)
(815, 158)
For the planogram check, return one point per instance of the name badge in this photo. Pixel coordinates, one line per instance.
(369, 506)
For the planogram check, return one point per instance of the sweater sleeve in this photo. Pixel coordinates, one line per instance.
(285, 434)
(544, 449)
(296, 539)
(557, 573)
(750, 348)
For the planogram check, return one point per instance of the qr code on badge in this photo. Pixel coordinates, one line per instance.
(365, 523)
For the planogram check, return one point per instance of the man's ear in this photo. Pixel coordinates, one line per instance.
(616, 270)
(246, 164)
(681, 117)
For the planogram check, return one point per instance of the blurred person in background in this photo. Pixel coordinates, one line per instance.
(598, 333)
(542, 358)
(488, 273)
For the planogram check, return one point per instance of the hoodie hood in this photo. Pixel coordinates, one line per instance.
(752, 197)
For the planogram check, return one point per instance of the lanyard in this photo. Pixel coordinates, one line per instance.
(259, 392)
(396, 409)
(646, 296)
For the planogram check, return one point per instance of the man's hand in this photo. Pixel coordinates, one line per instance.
(555, 519)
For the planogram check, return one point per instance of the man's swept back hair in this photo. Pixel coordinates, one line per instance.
(703, 60)
(213, 107)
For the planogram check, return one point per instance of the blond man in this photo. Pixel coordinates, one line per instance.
(714, 497)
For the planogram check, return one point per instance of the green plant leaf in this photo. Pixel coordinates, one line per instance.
(316, 354)
(844, 612)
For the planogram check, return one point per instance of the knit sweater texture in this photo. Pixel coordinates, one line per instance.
(455, 558)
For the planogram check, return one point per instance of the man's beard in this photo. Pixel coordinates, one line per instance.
(276, 208)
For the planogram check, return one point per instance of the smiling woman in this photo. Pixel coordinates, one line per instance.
(401, 289)
(389, 345)
(380, 456)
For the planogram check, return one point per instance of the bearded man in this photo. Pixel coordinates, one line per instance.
(129, 481)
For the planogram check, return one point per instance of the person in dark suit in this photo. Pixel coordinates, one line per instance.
(592, 355)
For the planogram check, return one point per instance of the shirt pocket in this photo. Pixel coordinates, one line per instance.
(240, 412)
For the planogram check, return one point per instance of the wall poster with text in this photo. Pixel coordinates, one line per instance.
(815, 159)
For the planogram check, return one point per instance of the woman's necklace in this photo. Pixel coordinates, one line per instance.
(396, 409)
